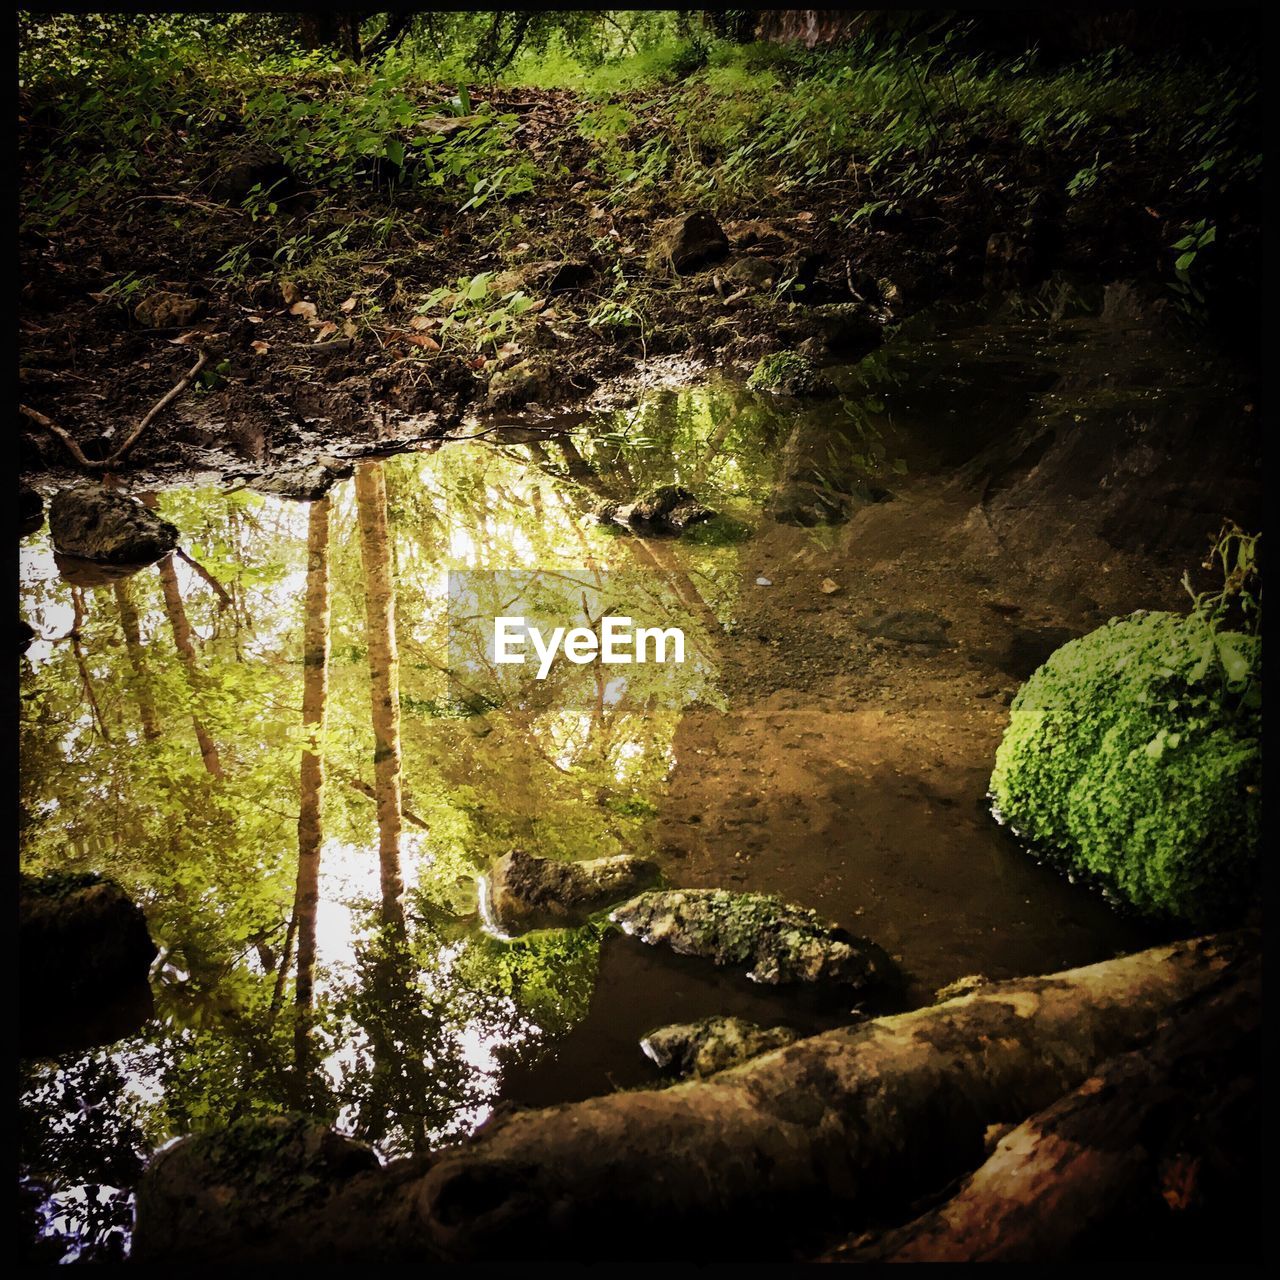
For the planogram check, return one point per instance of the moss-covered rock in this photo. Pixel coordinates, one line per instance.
(712, 1044)
(788, 373)
(528, 892)
(776, 941)
(1133, 756)
(669, 509)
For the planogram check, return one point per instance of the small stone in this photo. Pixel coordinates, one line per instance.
(684, 243)
(712, 1044)
(167, 311)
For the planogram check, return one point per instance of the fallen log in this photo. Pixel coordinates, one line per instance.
(1155, 1154)
(773, 1155)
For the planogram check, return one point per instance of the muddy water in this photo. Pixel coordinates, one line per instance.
(855, 632)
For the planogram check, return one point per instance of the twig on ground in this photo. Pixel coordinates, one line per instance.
(49, 425)
(156, 409)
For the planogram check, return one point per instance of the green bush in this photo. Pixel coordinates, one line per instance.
(1134, 757)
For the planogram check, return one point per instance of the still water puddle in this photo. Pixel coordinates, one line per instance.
(179, 778)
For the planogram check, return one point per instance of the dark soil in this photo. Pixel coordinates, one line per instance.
(291, 399)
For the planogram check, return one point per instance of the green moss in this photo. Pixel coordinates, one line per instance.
(1133, 756)
(785, 371)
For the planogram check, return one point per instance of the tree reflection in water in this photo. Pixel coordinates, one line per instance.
(170, 740)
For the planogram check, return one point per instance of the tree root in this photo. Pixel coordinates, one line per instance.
(760, 1161)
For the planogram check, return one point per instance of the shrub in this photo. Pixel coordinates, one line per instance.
(1134, 756)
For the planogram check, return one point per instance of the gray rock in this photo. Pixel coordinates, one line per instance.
(712, 1044)
(214, 1191)
(527, 892)
(908, 626)
(670, 509)
(87, 521)
(684, 243)
(776, 941)
(843, 327)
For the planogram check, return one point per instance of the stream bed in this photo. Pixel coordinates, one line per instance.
(854, 633)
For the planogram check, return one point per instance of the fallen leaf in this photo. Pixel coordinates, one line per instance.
(254, 319)
(349, 306)
(260, 347)
(289, 292)
(326, 330)
(478, 362)
(420, 323)
(305, 309)
(828, 587)
(186, 339)
(421, 340)
(349, 329)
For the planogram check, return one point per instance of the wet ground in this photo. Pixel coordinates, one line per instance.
(856, 628)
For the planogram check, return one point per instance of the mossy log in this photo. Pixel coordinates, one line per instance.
(820, 1137)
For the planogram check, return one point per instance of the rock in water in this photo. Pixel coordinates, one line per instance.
(687, 242)
(776, 941)
(528, 892)
(670, 509)
(80, 938)
(87, 521)
(239, 1183)
(702, 1048)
